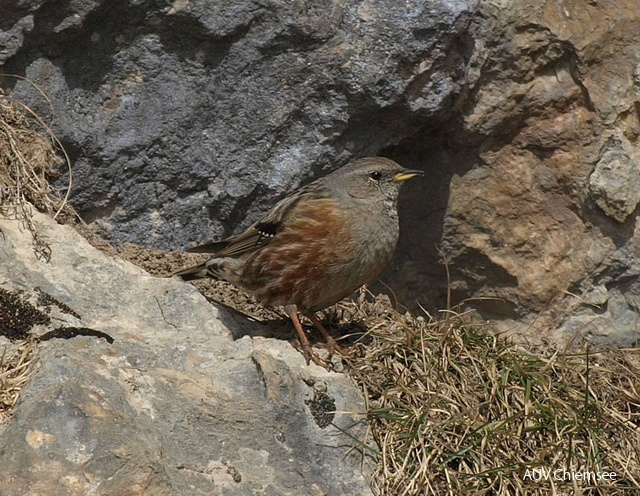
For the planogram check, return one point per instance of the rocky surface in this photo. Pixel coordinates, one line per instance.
(545, 219)
(186, 122)
(154, 396)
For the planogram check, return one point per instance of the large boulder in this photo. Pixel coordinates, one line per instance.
(150, 394)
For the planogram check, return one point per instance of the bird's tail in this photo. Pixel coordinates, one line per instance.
(220, 268)
(210, 268)
(199, 271)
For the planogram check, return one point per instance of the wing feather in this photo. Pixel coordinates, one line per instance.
(263, 231)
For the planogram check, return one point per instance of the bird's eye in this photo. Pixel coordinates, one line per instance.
(375, 175)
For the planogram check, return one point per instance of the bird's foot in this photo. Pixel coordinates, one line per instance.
(304, 345)
(331, 345)
(311, 356)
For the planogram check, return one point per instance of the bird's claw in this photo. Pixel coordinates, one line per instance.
(311, 356)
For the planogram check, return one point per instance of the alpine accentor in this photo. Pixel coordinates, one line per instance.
(317, 245)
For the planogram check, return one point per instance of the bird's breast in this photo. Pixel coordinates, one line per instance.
(322, 254)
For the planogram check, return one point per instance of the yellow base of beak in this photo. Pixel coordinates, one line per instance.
(407, 174)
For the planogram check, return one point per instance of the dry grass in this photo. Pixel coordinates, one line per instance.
(16, 366)
(457, 411)
(28, 160)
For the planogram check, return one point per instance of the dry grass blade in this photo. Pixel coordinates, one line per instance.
(16, 366)
(28, 160)
(457, 410)
(63, 205)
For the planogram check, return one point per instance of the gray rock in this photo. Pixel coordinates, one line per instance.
(614, 324)
(615, 182)
(182, 121)
(173, 405)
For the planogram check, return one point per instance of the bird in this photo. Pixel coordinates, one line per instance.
(316, 246)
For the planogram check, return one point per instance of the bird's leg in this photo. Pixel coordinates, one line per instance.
(332, 344)
(307, 350)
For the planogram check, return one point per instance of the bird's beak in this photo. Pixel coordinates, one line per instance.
(407, 174)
